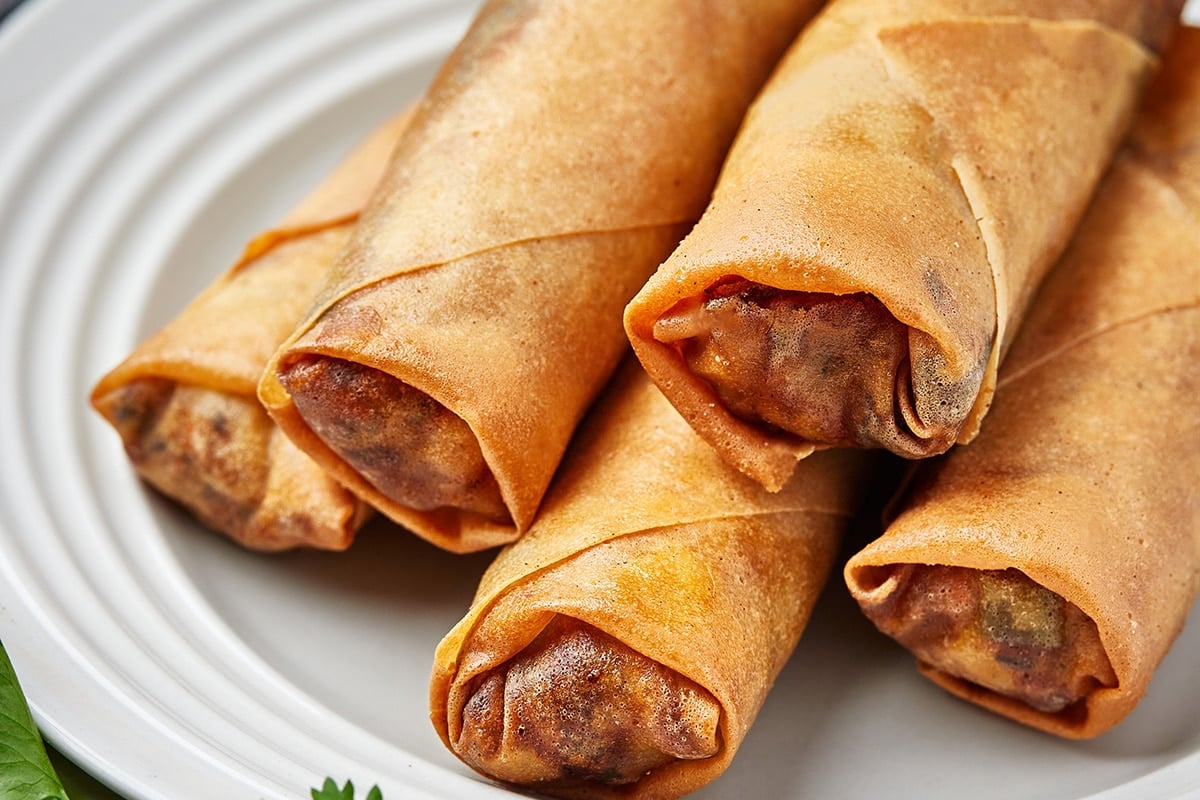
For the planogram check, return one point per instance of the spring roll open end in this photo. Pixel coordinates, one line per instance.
(833, 370)
(219, 455)
(578, 707)
(195, 445)
(406, 444)
(996, 630)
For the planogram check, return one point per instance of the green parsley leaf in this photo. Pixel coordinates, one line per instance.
(25, 769)
(330, 791)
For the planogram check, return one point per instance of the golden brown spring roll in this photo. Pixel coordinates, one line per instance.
(895, 194)
(184, 401)
(558, 157)
(1044, 570)
(625, 644)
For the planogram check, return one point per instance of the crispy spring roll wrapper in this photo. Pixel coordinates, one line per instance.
(624, 645)
(184, 400)
(559, 156)
(895, 194)
(1044, 570)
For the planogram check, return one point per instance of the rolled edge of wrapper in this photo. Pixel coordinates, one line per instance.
(768, 459)
(872, 578)
(449, 528)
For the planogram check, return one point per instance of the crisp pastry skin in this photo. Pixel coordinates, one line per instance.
(184, 401)
(1044, 570)
(559, 156)
(623, 646)
(895, 196)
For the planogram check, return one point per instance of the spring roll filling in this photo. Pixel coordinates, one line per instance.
(406, 444)
(829, 369)
(997, 629)
(204, 448)
(577, 705)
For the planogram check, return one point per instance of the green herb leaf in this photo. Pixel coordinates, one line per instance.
(25, 770)
(330, 791)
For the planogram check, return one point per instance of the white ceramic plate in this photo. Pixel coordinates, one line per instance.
(141, 143)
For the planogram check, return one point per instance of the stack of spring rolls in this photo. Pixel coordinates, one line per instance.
(560, 677)
(447, 305)
(432, 355)
(557, 158)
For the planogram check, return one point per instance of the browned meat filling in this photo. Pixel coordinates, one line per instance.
(204, 448)
(407, 445)
(999, 630)
(579, 706)
(830, 369)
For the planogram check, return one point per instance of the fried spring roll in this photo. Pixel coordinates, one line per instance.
(559, 156)
(184, 400)
(625, 644)
(895, 194)
(1044, 570)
